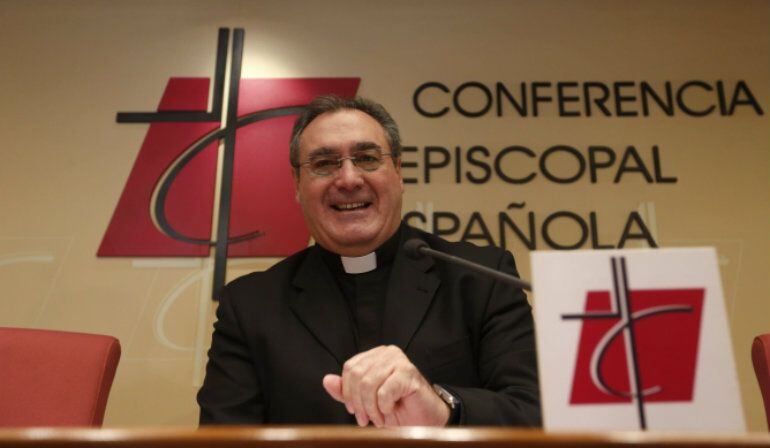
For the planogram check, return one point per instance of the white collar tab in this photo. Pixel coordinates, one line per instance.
(359, 265)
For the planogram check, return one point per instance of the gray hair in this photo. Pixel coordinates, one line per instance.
(332, 103)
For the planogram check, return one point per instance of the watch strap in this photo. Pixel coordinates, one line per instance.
(452, 402)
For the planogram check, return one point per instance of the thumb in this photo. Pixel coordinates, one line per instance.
(333, 385)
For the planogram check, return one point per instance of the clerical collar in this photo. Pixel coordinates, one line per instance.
(382, 256)
(359, 265)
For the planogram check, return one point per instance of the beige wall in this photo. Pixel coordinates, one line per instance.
(69, 66)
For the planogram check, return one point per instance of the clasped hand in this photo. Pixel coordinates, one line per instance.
(382, 386)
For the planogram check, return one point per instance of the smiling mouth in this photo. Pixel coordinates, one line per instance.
(351, 206)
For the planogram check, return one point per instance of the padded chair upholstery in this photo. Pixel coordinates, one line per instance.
(760, 356)
(55, 378)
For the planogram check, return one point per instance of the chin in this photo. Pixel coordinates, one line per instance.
(351, 244)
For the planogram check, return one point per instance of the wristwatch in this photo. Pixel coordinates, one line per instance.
(451, 401)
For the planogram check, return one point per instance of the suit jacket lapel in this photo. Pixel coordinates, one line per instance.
(411, 288)
(319, 304)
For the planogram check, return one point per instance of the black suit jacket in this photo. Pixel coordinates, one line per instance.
(280, 331)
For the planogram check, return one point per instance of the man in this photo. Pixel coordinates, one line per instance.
(354, 330)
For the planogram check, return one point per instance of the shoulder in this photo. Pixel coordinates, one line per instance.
(275, 279)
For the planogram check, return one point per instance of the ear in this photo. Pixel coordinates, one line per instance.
(397, 162)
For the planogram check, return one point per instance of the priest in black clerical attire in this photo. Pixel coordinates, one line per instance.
(352, 329)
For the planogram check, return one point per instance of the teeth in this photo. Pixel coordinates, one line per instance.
(350, 206)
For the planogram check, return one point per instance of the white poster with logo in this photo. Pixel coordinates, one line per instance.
(634, 339)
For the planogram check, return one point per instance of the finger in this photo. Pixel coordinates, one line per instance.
(361, 419)
(392, 390)
(377, 365)
(369, 390)
(383, 367)
(354, 372)
(391, 420)
(333, 386)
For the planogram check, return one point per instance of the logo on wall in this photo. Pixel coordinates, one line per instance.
(640, 348)
(167, 208)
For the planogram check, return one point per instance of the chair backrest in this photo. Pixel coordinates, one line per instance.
(760, 356)
(55, 378)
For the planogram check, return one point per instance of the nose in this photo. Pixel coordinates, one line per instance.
(348, 177)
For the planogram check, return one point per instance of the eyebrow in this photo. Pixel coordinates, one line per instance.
(365, 146)
(322, 151)
(358, 147)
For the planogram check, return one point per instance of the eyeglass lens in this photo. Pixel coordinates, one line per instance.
(326, 165)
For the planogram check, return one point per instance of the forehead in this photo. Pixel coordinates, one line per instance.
(342, 131)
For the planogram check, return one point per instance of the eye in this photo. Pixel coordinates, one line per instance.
(368, 158)
(323, 163)
(368, 161)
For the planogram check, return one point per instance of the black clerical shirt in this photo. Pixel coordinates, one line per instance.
(365, 292)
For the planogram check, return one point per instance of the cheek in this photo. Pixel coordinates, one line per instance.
(304, 190)
(310, 198)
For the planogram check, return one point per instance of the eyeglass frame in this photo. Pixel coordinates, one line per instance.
(340, 160)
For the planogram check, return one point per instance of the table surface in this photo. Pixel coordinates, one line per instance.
(345, 436)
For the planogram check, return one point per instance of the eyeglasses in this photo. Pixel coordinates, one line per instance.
(326, 165)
